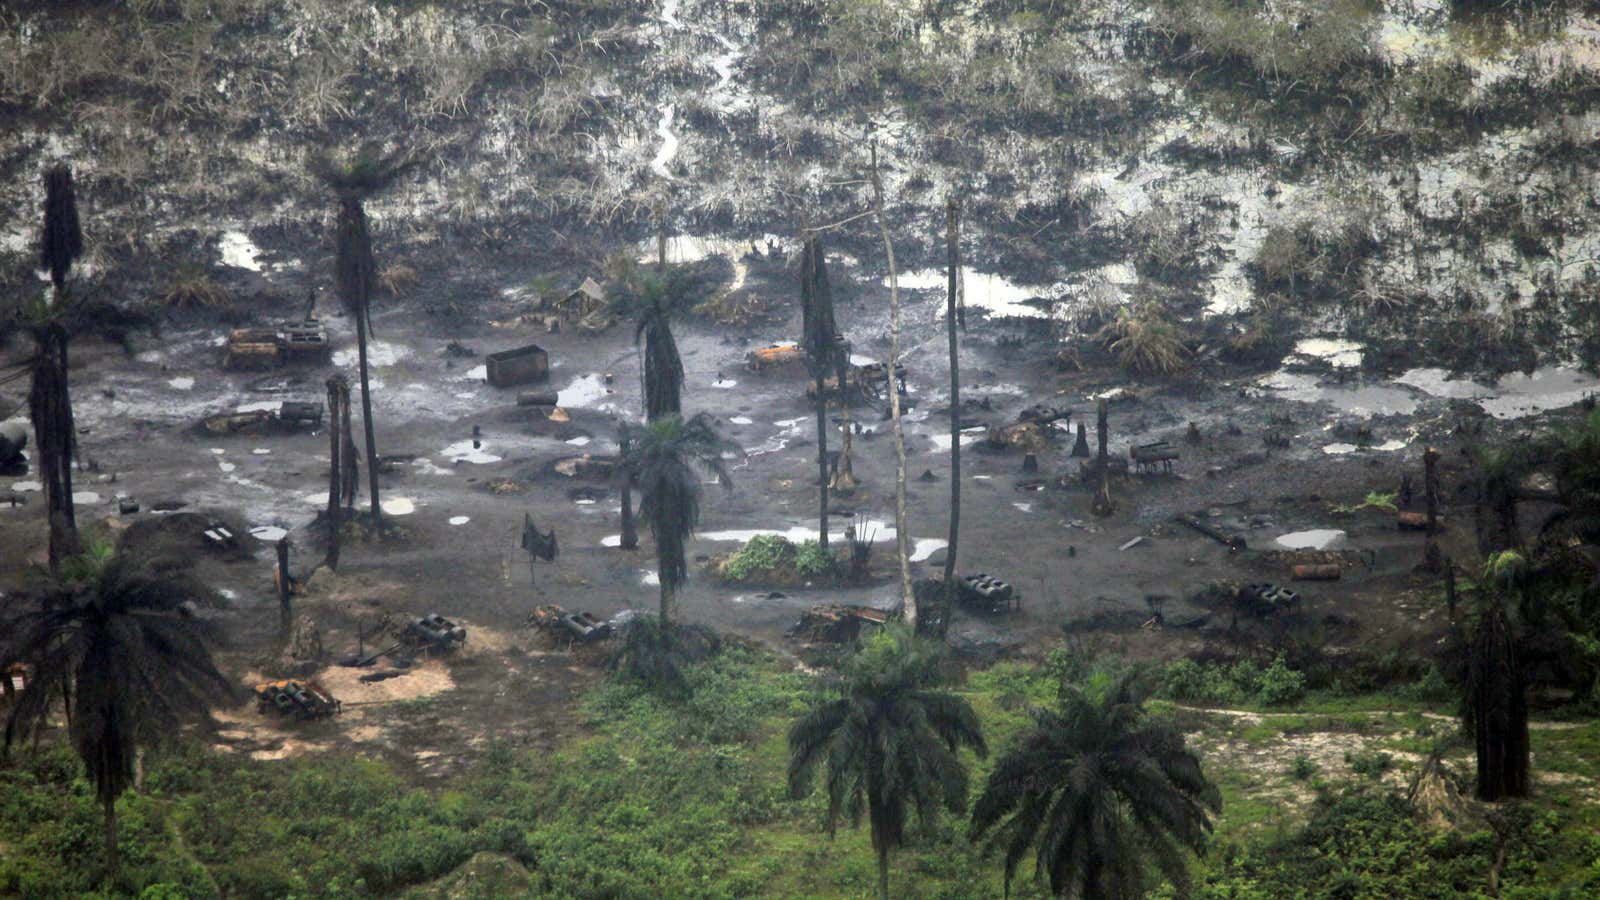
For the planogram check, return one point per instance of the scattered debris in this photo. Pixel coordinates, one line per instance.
(1232, 542)
(1133, 543)
(434, 633)
(296, 699)
(1146, 457)
(775, 356)
(268, 348)
(828, 623)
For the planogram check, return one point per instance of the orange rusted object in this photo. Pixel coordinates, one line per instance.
(1318, 572)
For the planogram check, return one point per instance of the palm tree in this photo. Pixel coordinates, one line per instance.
(662, 456)
(821, 341)
(49, 402)
(51, 321)
(651, 300)
(1098, 792)
(889, 744)
(355, 271)
(132, 661)
(1496, 707)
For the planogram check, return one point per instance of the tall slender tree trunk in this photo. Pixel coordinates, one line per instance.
(666, 606)
(883, 874)
(901, 538)
(953, 264)
(366, 416)
(823, 476)
(335, 476)
(50, 407)
(285, 590)
(109, 805)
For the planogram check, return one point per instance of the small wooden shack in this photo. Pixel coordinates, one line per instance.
(518, 366)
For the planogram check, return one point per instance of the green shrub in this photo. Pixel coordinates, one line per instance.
(762, 553)
(1369, 763)
(1280, 684)
(811, 560)
(1303, 768)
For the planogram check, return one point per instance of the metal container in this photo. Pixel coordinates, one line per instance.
(518, 366)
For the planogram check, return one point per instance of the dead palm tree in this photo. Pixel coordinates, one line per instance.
(888, 745)
(662, 456)
(131, 661)
(1097, 792)
(823, 356)
(355, 271)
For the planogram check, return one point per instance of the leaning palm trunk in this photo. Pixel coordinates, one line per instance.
(901, 539)
(953, 254)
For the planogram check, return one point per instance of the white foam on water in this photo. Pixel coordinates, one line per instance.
(992, 293)
(427, 467)
(183, 383)
(85, 498)
(581, 440)
(1314, 539)
(379, 355)
(25, 487)
(1024, 507)
(1337, 353)
(260, 451)
(611, 540)
(226, 467)
(460, 520)
(463, 451)
(584, 391)
(239, 251)
(926, 547)
(649, 578)
(269, 533)
(725, 383)
(476, 373)
(1514, 396)
(397, 506)
(741, 420)
(218, 451)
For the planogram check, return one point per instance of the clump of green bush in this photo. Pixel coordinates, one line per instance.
(773, 558)
(1242, 682)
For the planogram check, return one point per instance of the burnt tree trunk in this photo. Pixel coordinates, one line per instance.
(953, 264)
(1499, 709)
(336, 402)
